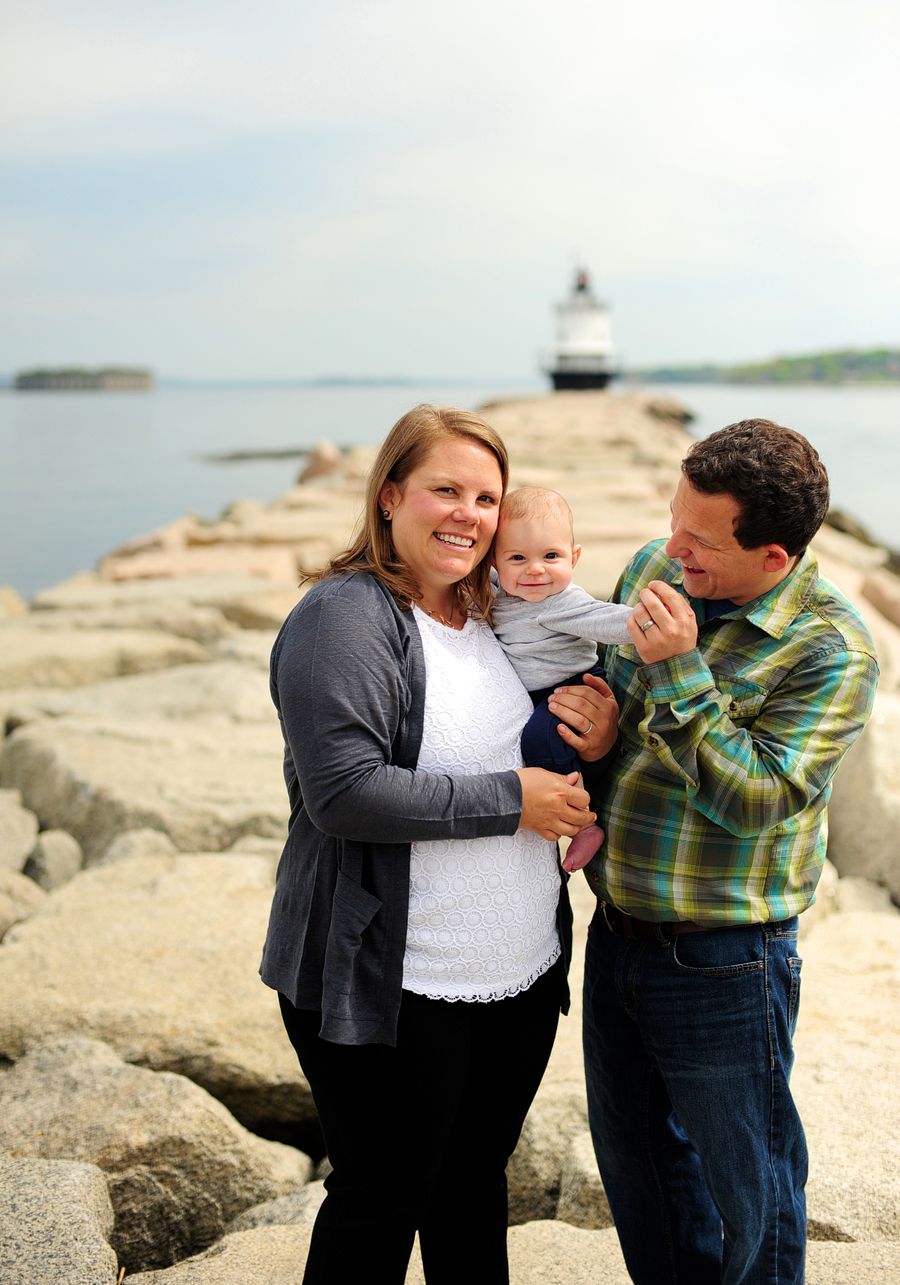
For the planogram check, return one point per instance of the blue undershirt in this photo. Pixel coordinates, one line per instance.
(718, 607)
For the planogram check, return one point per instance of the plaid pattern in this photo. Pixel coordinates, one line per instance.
(715, 808)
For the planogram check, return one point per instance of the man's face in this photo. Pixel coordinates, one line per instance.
(714, 564)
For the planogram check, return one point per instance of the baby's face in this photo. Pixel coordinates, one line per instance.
(534, 557)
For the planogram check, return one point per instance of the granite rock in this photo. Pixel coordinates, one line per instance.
(272, 562)
(582, 1200)
(72, 657)
(158, 957)
(204, 781)
(233, 687)
(300, 1207)
(55, 1223)
(558, 1114)
(54, 860)
(18, 830)
(19, 898)
(882, 589)
(137, 843)
(11, 604)
(91, 592)
(826, 902)
(179, 1167)
(172, 615)
(864, 812)
(847, 1051)
(540, 1253)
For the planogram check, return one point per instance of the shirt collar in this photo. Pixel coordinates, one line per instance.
(774, 612)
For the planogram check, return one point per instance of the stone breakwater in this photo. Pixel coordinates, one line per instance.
(152, 1115)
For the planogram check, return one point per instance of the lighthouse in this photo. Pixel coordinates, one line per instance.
(582, 356)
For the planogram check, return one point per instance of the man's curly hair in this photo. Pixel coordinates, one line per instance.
(772, 472)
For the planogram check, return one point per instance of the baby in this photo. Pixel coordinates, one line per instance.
(548, 626)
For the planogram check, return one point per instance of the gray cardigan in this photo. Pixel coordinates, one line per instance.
(348, 680)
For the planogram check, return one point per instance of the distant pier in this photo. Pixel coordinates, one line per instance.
(109, 379)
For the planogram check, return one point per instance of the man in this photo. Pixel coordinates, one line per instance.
(747, 678)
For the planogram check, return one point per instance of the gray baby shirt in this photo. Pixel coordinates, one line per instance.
(549, 641)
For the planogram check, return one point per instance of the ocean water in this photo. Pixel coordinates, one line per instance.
(82, 472)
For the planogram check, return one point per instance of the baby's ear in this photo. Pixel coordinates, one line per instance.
(576, 554)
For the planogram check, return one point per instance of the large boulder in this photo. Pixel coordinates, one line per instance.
(883, 590)
(170, 615)
(848, 1050)
(54, 859)
(205, 782)
(264, 1256)
(91, 592)
(18, 830)
(11, 604)
(582, 1200)
(71, 657)
(864, 813)
(540, 1253)
(158, 957)
(179, 1166)
(235, 687)
(55, 1223)
(140, 843)
(558, 1114)
(300, 1207)
(19, 899)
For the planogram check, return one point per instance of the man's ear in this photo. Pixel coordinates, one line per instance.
(576, 554)
(777, 558)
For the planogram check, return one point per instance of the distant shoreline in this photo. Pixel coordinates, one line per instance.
(846, 366)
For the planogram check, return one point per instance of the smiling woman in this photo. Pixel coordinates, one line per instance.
(420, 928)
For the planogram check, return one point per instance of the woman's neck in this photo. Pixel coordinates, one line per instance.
(444, 608)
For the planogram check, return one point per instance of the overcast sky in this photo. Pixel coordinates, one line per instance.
(379, 187)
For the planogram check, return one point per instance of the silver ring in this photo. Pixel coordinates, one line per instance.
(590, 729)
(644, 628)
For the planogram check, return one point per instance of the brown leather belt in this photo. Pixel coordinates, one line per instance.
(643, 929)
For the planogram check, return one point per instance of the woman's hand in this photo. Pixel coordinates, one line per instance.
(553, 805)
(593, 716)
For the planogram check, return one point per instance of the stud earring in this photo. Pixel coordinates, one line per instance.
(386, 514)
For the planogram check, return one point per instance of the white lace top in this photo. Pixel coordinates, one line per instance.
(482, 912)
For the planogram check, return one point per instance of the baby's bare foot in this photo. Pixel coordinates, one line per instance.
(582, 847)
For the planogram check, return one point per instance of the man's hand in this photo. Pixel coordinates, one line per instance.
(593, 714)
(663, 625)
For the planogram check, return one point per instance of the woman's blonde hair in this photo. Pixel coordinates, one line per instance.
(407, 445)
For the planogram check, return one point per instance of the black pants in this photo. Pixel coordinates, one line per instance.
(420, 1134)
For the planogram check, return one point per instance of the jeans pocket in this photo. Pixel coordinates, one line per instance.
(722, 952)
(794, 965)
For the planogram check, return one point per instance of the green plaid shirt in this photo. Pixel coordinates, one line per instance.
(715, 807)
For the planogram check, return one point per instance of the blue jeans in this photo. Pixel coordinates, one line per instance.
(688, 1055)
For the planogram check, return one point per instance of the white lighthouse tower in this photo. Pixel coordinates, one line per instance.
(582, 356)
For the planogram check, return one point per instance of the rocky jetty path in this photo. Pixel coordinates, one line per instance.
(153, 1119)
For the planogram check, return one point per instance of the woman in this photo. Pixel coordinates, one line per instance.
(420, 929)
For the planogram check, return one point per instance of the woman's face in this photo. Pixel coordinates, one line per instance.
(444, 515)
